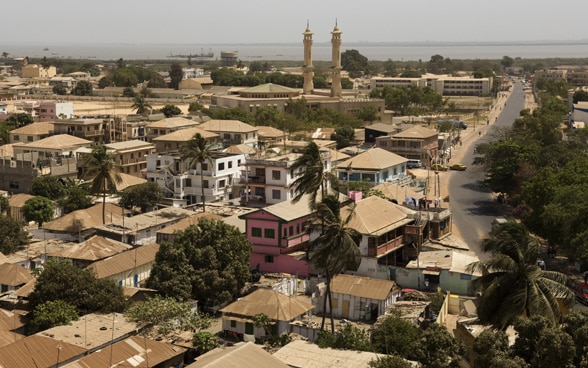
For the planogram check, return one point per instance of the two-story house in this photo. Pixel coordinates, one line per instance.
(31, 132)
(51, 110)
(183, 184)
(232, 132)
(375, 166)
(131, 155)
(168, 125)
(417, 143)
(177, 140)
(91, 129)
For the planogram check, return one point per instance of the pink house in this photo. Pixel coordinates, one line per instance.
(279, 234)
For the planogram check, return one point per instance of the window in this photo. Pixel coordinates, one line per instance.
(222, 184)
(204, 166)
(205, 183)
(259, 171)
(276, 194)
(269, 259)
(275, 174)
(335, 303)
(269, 233)
(188, 182)
(256, 232)
(221, 165)
(227, 136)
(233, 323)
(13, 185)
(16, 138)
(230, 164)
(249, 328)
(291, 230)
(29, 138)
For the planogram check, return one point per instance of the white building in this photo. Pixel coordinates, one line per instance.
(444, 85)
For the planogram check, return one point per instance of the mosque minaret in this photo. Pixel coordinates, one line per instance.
(308, 72)
(336, 90)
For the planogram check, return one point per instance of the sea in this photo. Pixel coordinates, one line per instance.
(320, 51)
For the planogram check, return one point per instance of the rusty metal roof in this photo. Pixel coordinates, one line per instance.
(363, 287)
(273, 304)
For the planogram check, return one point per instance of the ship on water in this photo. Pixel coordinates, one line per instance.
(201, 55)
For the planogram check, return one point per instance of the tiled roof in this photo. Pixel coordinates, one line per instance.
(128, 181)
(93, 249)
(241, 149)
(18, 200)
(268, 131)
(273, 304)
(233, 126)
(373, 159)
(126, 145)
(125, 261)
(363, 287)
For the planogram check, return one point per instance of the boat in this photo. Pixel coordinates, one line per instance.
(46, 49)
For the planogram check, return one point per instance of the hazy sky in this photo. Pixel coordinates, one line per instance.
(264, 21)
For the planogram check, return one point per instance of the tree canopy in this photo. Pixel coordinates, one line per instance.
(144, 196)
(48, 186)
(14, 237)
(208, 262)
(38, 209)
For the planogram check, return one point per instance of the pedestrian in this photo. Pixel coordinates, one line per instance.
(479, 134)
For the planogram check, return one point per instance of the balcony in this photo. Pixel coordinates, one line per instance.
(252, 179)
(252, 198)
(385, 248)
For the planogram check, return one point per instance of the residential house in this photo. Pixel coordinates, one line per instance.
(168, 233)
(51, 110)
(131, 155)
(232, 132)
(279, 234)
(175, 141)
(37, 351)
(168, 125)
(12, 323)
(381, 224)
(446, 269)
(374, 166)
(359, 298)
(69, 83)
(237, 317)
(183, 185)
(12, 277)
(378, 130)
(305, 354)
(37, 71)
(134, 351)
(270, 136)
(54, 146)
(92, 129)
(30, 107)
(240, 355)
(129, 268)
(142, 229)
(91, 250)
(416, 143)
(31, 132)
(15, 204)
(93, 331)
(267, 179)
(81, 224)
(79, 75)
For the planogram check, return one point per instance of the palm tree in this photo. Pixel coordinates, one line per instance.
(5, 55)
(336, 249)
(512, 284)
(99, 166)
(141, 105)
(313, 178)
(197, 152)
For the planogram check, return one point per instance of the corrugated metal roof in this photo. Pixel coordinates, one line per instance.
(373, 159)
(132, 352)
(42, 127)
(241, 355)
(375, 216)
(37, 351)
(60, 141)
(173, 122)
(14, 275)
(269, 88)
(93, 249)
(131, 144)
(81, 220)
(186, 222)
(18, 200)
(268, 131)
(449, 260)
(304, 354)
(416, 132)
(395, 191)
(273, 304)
(184, 135)
(235, 126)
(363, 287)
(124, 261)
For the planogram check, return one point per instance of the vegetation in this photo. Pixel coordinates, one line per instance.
(170, 110)
(144, 196)
(82, 88)
(511, 284)
(197, 152)
(51, 314)
(48, 186)
(38, 209)
(99, 166)
(76, 197)
(314, 178)
(347, 337)
(411, 100)
(141, 105)
(208, 262)
(86, 293)
(13, 235)
(20, 119)
(176, 74)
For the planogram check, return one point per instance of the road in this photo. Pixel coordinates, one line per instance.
(473, 206)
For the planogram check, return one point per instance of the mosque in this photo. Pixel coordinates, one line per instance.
(277, 96)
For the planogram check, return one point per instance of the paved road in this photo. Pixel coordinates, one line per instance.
(472, 205)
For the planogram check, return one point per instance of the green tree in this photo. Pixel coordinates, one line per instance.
(437, 348)
(4, 133)
(348, 337)
(20, 119)
(204, 342)
(38, 209)
(312, 179)
(512, 284)
(390, 361)
(336, 249)
(129, 92)
(83, 290)
(144, 196)
(491, 349)
(368, 113)
(45, 63)
(82, 88)
(4, 204)
(354, 62)
(170, 110)
(51, 314)
(176, 74)
(218, 257)
(5, 55)
(346, 83)
(13, 235)
(580, 95)
(141, 105)
(47, 186)
(59, 89)
(395, 336)
(343, 136)
(390, 68)
(197, 153)
(77, 197)
(99, 166)
(195, 107)
(171, 275)
(507, 61)
(105, 81)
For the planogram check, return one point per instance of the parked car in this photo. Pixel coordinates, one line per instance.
(413, 164)
(458, 167)
(438, 167)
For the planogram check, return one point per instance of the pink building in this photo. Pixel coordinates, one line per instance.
(279, 234)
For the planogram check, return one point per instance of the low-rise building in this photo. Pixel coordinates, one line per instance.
(131, 155)
(232, 132)
(168, 125)
(416, 143)
(51, 110)
(374, 166)
(91, 250)
(175, 141)
(442, 84)
(91, 129)
(37, 71)
(31, 132)
(12, 277)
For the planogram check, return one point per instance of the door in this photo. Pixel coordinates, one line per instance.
(345, 311)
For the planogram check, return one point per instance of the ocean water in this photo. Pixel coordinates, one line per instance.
(320, 51)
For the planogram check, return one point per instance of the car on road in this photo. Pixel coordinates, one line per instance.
(413, 164)
(458, 167)
(438, 167)
(581, 291)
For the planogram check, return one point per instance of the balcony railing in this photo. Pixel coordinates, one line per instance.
(252, 198)
(252, 179)
(382, 249)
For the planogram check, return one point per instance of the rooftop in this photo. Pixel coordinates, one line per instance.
(373, 159)
(275, 305)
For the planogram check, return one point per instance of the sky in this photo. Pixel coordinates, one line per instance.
(274, 21)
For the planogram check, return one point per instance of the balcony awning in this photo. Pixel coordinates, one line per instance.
(430, 272)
